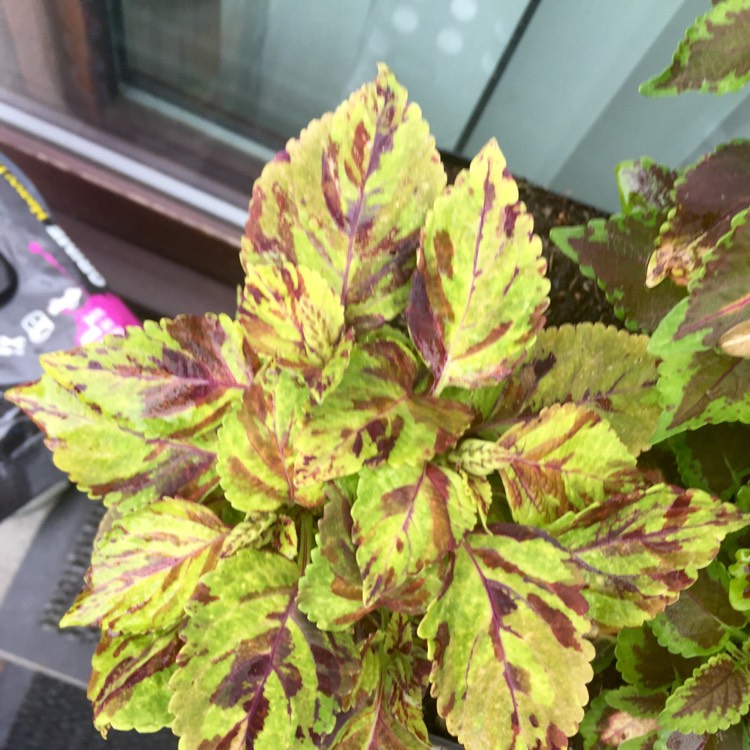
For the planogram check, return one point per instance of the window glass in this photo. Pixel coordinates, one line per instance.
(209, 89)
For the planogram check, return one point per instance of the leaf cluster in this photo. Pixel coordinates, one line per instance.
(382, 476)
(675, 262)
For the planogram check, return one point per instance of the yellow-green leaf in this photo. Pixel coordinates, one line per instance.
(374, 415)
(293, 317)
(566, 458)
(147, 567)
(257, 446)
(348, 199)
(510, 660)
(253, 671)
(129, 687)
(479, 292)
(110, 459)
(405, 519)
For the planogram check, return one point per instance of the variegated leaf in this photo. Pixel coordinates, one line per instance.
(479, 292)
(374, 416)
(712, 57)
(331, 590)
(253, 672)
(109, 459)
(257, 448)
(174, 378)
(697, 386)
(707, 198)
(566, 458)
(405, 519)
(615, 251)
(510, 661)
(348, 199)
(714, 458)
(702, 620)
(714, 698)
(638, 551)
(739, 585)
(647, 665)
(387, 702)
(621, 718)
(644, 185)
(292, 316)
(720, 301)
(129, 687)
(148, 566)
(601, 368)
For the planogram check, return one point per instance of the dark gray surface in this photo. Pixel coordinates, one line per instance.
(44, 586)
(52, 715)
(43, 669)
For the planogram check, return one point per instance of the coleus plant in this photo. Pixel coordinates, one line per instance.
(675, 262)
(382, 476)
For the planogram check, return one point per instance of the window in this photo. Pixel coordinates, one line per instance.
(207, 90)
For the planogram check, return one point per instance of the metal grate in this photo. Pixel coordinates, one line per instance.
(71, 580)
(57, 716)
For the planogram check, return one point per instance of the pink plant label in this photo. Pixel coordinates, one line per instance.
(101, 314)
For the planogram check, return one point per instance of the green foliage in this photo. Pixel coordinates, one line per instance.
(713, 57)
(674, 263)
(383, 476)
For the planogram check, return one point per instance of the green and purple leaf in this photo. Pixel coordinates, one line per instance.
(739, 584)
(506, 636)
(720, 299)
(644, 185)
(387, 701)
(374, 416)
(714, 698)
(147, 567)
(348, 199)
(129, 687)
(566, 458)
(647, 665)
(257, 447)
(479, 291)
(702, 620)
(331, 590)
(707, 197)
(622, 718)
(293, 317)
(174, 378)
(109, 459)
(636, 552)
(714, 458)
(697, 386)
(616, 251)
(253, 671)
(713, 56)
(405, 519)
(600, 368)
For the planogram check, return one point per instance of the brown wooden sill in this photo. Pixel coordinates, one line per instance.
(123, 208)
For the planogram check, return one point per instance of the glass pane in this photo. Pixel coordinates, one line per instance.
(583, 114)
(207, 90)
(267, 68)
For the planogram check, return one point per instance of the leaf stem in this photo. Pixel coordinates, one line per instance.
(306, 540)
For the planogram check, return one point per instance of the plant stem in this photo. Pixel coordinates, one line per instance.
(306, 540)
